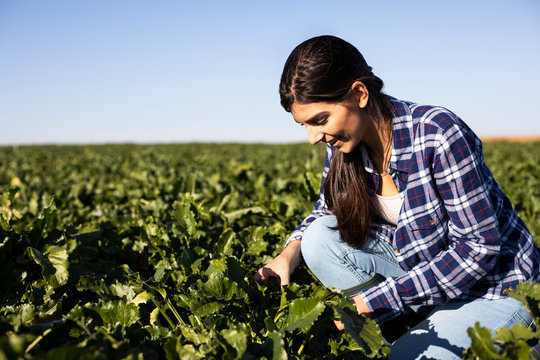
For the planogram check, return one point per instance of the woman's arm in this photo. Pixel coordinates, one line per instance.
(472, 244)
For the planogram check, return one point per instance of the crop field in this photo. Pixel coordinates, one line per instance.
(147, 251)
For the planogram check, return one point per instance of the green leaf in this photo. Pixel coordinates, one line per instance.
(303, 313)
(54, 264)
(126, 291)
(58, 258)
(311, 184)
(205, 309)
(7, 213)
(217, 266)
(116, 313)
(36, 255)
(67, 353)
(518, 350)
(364, 332)
(44, 224)
(229, 268)
(142, 298)
(160, 271)
(25, 312)
(274, 347)
(528, 293)
(185, 218)
(219, 287)
(270, 324)
(517, 332)
(240, 213)
(188, 352)
(226, 242)
(187, 258)
(154, 316)
(192, 335)
(13, 346)
(236, 337)
(481, 343)
(157, 332)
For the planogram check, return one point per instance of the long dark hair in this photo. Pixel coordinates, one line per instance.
(323, 69)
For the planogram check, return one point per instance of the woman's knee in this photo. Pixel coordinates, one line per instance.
(318, 237)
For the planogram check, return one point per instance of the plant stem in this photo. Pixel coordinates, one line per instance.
(37, 340)
(176, 314)
(164, 314)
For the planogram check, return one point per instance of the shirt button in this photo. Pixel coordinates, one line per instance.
(431, 222)
(396, 251)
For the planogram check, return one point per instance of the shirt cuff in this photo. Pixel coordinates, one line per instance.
(292, 238)
(382, 301)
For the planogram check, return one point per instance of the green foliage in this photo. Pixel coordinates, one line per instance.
(133, 252)
(513, 343)
(516, 169)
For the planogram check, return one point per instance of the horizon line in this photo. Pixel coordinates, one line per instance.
(487, 139)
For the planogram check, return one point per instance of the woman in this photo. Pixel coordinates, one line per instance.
(409, 215)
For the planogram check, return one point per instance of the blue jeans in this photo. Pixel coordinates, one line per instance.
(443, 333)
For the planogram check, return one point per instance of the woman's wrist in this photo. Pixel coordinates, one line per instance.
(360, 304)
(293, 253)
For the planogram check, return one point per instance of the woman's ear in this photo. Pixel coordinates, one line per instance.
(361, 92)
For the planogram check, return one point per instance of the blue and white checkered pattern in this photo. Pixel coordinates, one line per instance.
(458, 236)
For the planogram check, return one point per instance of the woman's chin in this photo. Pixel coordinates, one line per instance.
(346, 147)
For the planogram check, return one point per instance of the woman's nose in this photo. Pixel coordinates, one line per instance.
(314, 134)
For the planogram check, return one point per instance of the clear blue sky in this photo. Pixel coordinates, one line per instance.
(175, 71)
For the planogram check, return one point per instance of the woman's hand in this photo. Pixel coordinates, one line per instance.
(361, 307)
(282, 266)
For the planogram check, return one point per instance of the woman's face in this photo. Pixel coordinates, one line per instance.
(342, 125)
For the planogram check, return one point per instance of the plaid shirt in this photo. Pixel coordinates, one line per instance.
(457, 236)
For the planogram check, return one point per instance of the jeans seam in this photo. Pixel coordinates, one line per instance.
(344, 255)
(356, 270)
(504, 324)
(525, 321)
(385, 254)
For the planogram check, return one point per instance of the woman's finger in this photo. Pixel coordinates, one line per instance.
(339, 325)
(259, 277)
(264, 274)
(284, 280)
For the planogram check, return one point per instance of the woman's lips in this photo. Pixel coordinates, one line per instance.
(336, 142)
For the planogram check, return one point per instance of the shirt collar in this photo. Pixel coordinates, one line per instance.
(402, 125)
(368, 165)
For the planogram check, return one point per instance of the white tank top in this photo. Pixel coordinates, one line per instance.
(387, 207)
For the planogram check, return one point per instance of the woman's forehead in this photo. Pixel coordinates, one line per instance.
(311, 108)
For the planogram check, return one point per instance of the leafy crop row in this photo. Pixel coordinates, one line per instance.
(147, 252)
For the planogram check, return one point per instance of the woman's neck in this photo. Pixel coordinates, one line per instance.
(379, 143)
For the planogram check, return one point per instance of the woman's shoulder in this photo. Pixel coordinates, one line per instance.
(425, 119)
(434, 115)
(430, 128)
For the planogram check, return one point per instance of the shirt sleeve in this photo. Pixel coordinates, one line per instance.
(463, 182)
(319, 209)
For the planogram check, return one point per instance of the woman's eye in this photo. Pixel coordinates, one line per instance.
(322, 121)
